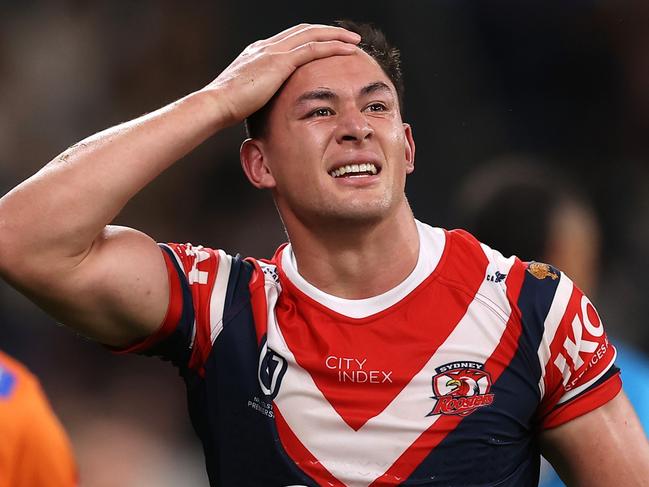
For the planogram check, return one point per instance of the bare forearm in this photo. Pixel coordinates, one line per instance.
(60, 210)
(111, 283)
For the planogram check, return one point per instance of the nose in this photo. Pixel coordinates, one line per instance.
(353, 127)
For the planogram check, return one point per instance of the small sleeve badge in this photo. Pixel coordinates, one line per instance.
(541, 271)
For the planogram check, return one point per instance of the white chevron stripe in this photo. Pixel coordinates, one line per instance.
(217, 299)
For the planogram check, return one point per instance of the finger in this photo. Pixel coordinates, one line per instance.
(285, 33)
(311, 51)
(319, 33)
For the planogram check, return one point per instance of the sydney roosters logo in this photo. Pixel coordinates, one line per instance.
(460, 388)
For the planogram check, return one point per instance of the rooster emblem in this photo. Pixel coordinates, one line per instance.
(460, 389)
(464, 386)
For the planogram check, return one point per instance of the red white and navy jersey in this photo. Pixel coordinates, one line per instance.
(447, 379)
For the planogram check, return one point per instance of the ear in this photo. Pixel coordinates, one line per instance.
(410, 148)
(254, 164)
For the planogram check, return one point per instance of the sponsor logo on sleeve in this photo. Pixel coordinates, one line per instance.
(460, 388)
(584, 346)
(269, 271)
(496, 277)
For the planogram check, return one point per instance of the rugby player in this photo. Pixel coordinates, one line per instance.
(371, 350)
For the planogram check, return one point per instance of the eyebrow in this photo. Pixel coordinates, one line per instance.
(317, 94)
(374, 87)
(327, 94)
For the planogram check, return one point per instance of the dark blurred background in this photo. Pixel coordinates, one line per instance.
(566, 84)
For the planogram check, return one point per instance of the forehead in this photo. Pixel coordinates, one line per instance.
(344, 75)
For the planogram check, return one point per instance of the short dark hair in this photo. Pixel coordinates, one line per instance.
(374, 43)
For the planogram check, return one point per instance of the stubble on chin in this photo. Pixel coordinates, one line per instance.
(352, 212)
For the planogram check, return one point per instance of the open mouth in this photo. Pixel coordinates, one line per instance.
(355, 170)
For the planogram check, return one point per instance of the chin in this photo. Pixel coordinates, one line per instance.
(357, 212)
(364, 210)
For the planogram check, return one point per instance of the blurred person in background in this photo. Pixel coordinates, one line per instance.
(34, 448)
(522, 206)
(280, 390)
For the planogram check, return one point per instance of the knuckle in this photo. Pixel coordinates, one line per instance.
(266, 47)
(266, 51)
(261, 51)
(248, 51)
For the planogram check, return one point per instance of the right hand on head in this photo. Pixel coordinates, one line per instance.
(251, 80)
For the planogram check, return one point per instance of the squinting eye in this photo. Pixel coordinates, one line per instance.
(377, 107)
(321, 112)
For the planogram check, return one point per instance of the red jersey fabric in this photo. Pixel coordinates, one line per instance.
(469, 357)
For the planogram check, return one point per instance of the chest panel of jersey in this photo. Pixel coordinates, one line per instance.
(441, 386)
(366, 385)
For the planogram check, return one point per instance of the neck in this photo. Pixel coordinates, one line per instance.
(356, 260)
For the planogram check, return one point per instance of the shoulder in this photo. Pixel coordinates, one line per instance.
(537, 292)
(203, 266)
(468, 248)
(536, 278)
(466, 258)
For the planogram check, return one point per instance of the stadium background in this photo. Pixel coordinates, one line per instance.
(567, 83)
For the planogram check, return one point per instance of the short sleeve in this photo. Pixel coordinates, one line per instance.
(198, 284)
(577, 359)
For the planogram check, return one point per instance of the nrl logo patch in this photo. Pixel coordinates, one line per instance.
(272, 368)
(541, 271)
(460, 388)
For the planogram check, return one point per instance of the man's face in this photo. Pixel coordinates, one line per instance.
(336, 145)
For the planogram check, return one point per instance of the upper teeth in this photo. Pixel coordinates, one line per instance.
(354, 168)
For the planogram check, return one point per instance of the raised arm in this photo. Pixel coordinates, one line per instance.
(110, 282)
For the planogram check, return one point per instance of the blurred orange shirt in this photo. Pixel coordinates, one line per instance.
(34, 449)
